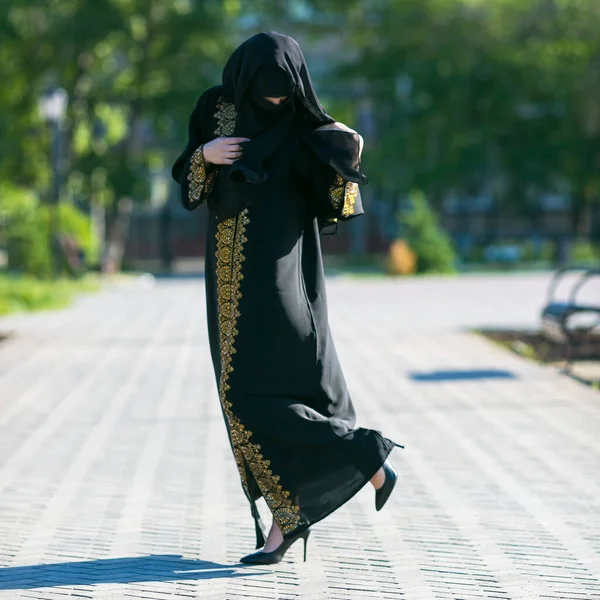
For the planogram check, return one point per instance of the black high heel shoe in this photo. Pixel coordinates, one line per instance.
(275, 556)
(383, 493)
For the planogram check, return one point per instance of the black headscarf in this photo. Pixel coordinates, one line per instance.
(265, 123)
(266, 65)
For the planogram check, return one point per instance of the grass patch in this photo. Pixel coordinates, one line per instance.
(27, 293)
(528, 344)
(585, 366)
(376, 265)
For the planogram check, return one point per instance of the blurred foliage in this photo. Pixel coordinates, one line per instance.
(25, 231)
(498, 97)
(73, 223)
(28, 293)
(463, 97)
(584, 252)
(581, 252)
(132, 69)
(434, 249)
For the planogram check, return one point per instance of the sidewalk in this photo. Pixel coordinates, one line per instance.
(117, 481)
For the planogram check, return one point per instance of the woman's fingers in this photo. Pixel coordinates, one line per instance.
(229, 149)
(229, 143)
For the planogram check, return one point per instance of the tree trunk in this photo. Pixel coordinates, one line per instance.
(581, 217)
(116, 245)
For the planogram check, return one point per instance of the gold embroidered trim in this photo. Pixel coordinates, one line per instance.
(199, 182)
(229, 258)
(336, 192)
(197, 175)
(351, 192)
(343, 194)
(225, 116)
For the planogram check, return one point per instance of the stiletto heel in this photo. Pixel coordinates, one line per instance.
(275, 556)
(383, 493)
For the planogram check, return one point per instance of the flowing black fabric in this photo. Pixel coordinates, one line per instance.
(272, 49)
(265, 123)
(290, 418)
(247, 78)
(258, 114)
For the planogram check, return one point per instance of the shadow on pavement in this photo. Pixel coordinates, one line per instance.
(462, 375)
(156, 567)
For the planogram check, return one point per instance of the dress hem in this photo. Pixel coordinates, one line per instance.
(306, 525)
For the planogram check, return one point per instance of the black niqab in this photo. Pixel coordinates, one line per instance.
(272, 49)
(265, 123)
(266, 65)
(259, 114)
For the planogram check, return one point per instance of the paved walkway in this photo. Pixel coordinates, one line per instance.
(116, 479)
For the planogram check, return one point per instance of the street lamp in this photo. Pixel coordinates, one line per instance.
(53, 108)
(53, 105)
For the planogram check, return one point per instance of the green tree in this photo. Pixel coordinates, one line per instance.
(132, 69)
(433, 247)
(495, 97)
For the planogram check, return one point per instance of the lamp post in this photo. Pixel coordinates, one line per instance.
(53, 108)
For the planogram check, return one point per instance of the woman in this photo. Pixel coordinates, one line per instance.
(276, 170)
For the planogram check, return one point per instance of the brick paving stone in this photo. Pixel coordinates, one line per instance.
(117, 481)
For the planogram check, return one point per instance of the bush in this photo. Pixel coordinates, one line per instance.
(76, 224)
(28, 293)
(419, 226)
(26, 222)
(24, 231)
(583, 251)
(544, 250)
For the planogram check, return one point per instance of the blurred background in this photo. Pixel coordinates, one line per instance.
(481, 121)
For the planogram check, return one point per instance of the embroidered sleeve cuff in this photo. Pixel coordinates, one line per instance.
(196, 176)
(342, 196)
(200, 179)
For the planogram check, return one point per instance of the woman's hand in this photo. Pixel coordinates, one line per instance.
(337, 126)
(223, 150)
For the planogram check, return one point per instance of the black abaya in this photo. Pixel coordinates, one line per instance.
(290, 418)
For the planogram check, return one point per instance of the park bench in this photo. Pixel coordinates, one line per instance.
(571, 323)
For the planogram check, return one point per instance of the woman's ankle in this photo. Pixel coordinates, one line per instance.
(275, 537)
(378, 479)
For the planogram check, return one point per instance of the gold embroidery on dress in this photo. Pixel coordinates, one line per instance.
(196, 175)
(231, 237)
(342, 194)
(336, 192)
(229, 257)
(351, 192)
(225, 116)
(199, 181)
